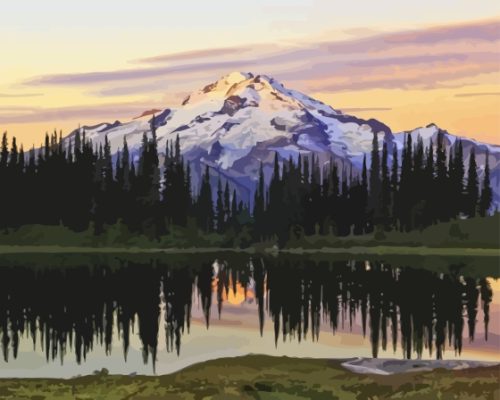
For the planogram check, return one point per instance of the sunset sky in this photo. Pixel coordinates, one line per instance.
(404, 63)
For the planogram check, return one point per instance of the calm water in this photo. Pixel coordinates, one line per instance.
(67, 315)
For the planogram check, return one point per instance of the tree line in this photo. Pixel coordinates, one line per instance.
(79, 185)
(428, 186)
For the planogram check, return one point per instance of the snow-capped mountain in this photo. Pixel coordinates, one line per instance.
(242, 119)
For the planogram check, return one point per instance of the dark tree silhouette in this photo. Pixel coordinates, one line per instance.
(204, 205)
(486, 192)
(472, 189)
(375, 184)
(80, 185)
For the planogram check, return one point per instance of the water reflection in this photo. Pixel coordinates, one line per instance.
(78, 307)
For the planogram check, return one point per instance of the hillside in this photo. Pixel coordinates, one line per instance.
(264, 377)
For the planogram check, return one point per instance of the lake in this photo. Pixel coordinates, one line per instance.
(63, 315)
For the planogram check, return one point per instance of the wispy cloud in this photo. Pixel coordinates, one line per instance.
(83, 112)
(79, 79)
(193, 55)
(147, 87)
(477, 94)
(486, 31)
(422, 58)
(422, 73)
(19, 95)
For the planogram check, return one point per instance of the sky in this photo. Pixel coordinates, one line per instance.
(405, 63)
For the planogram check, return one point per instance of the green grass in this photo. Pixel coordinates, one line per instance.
(264, 377)
(398, 250)
(476, 236)
(355, 250)
(22, 249)
(474, 233)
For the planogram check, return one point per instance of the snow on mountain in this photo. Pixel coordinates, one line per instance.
(242, 119)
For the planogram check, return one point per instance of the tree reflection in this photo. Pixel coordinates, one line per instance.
(76, 308)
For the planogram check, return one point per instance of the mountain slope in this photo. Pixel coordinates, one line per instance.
(241, 120)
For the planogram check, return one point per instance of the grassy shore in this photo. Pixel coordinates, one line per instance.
(354, 250)
(472, 237)
(57, 249)
(264, 377)
(398, 250)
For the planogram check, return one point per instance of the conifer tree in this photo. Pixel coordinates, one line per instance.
(78, 143)
(375, 188)
(147, 187)
(472, 186)
(276, 213)
(259, 205)
(394, 186)
(418, 188)
(13, 160)
(220, 209)
(486, 192)
(188, 195)
(442, 211)
(205, 211)
(4, 155)
(405, 186)
(227, 204)
(234, 209)
(125, 168)
(385, 197)
(363, 208)
(457, 172)
(429, 215)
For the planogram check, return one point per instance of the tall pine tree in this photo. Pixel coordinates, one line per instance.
(472, 192)
(486, 192)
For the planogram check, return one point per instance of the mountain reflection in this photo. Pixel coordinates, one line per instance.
(76, 308)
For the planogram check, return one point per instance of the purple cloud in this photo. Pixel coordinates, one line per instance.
(485, 31)
(477, 94)
(129, 74)
(410, 60)
(416, 71)
(148, 87)
(424, 58)
(105, 111)
(195, 54)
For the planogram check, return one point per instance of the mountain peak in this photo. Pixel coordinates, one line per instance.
(218, 88)
(227, 81)
(236, 77)
(256, 90)
(238, 81)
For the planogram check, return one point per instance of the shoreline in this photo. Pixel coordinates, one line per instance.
(358, 365)
(357, 250)
(391, 366)
(258, 376)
